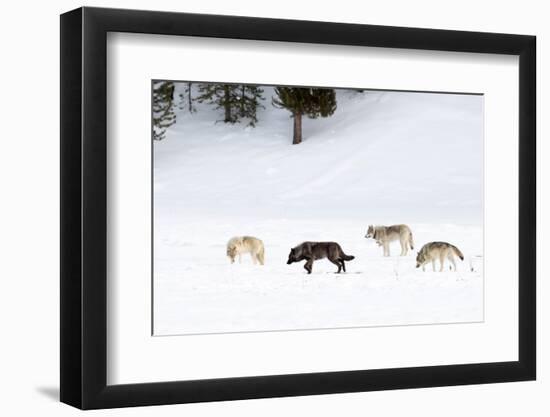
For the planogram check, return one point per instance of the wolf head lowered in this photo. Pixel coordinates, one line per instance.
(370, 232)
(295, 255)
(421, 259)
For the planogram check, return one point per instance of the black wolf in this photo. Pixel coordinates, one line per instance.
(311, 251)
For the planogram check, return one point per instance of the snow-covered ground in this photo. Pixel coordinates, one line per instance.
(382, 158)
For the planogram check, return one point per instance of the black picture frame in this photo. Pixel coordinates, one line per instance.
(84, 208)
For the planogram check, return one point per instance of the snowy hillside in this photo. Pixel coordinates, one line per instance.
(382, 158)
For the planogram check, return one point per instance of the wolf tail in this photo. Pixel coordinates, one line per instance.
(457, 252)
(411, 242)
(347, 257)
(260, 255)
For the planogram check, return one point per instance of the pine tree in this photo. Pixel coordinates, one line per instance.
(249, 102)
(163, 108)
(237, 101)
(312, 102)
(186, 98)
(222, 96)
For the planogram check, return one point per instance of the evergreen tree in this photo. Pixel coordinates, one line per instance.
(186, 98)
(163, 108)
(223, 96)
(249, 102)
(236, 101)
(312, 102)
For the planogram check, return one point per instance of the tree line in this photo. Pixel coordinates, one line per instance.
(239, 102)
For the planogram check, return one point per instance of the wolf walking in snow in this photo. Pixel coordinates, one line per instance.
(246, 244)
(384, 235)
(437, 250)
(312, 251)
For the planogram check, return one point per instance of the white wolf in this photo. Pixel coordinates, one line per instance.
(386, 234)
(437, 250)
(246, 244)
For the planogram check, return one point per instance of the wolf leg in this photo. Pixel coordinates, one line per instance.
(441, 261)
(343, 265)
(253, 255)
(309, 265)
(403, 247)
(240, 259)
(386, 249)
(335, 262)
(433, 264)
(452, 260)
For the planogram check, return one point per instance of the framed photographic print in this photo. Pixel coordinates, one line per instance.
(256, 208)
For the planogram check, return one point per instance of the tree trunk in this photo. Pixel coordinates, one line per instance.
(242, 100)
(297, 128)
(189, 102)
(227, 104)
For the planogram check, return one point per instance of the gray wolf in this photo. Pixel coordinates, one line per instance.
(386, 234)
(437, 250)
(246, 244)
(312, 251)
